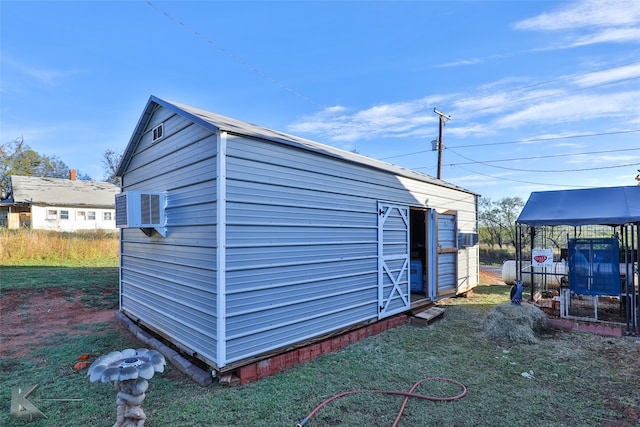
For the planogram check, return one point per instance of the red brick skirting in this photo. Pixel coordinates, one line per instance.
(586, 327)
(266, 367)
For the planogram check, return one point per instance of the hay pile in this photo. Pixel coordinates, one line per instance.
(515, 323)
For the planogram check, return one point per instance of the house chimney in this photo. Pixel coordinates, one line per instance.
(72, 174)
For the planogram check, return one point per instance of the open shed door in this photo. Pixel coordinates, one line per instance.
(446, 253)
(393, 259)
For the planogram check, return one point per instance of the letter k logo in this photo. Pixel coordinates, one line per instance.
(21, 407)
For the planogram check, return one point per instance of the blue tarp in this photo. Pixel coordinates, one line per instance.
(597, 206)
(594, 266)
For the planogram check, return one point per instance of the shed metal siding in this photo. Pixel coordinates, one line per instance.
(271, 243)
(170, 283)
(302, 242)
(301, 246)
(444, 199)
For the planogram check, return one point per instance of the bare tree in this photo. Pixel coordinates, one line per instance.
(110, 161)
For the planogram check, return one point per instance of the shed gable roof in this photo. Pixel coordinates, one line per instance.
(63, 192)
(597, 206)
(217, 122)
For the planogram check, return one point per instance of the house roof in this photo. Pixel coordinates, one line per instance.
(598, 206)
(215, 122)
(63, 192)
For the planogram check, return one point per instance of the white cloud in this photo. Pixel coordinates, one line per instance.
(493, 103)
(572, 109)
(470, 129)
(607, 76)
(613, 35)
(40, 74)
(590, 22)
(460, 62)
(392, 120)
(483, 115)
(584, 14)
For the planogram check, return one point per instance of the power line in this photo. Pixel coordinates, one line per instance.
(551, 138)
(526, 182)
(235, 57)
(267, 77)
(539, 157)
(520, 141)
(486, 163)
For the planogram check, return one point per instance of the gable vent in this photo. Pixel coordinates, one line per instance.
(137, 209)
(158, 132)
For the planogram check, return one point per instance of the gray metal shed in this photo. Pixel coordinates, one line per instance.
(238, 240)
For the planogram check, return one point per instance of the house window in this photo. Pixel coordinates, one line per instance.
(158, 132)
(52, 214)
(82, 215)
(106, 216)
(64, 214)
(91, 215)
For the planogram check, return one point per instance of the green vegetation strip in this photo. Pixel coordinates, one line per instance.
(80, 278)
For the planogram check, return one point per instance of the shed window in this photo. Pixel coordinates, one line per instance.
(158, 132)
(91, 215)
(52, 214)
(64, 214)
(81, 215)
(106, 216)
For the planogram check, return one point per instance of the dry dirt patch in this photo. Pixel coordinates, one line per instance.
(490, 278)
(29, 319)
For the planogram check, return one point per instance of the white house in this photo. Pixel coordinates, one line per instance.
(59, 204)
(239, 241)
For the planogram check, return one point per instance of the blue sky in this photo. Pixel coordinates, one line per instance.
(543, 95)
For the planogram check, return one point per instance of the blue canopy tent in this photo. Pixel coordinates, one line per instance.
(607, 206)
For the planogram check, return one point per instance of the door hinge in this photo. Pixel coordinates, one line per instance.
(381, 212)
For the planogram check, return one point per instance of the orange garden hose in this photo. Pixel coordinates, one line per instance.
(407, 395)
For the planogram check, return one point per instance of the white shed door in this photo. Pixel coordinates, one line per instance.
(393, 259)
(447, 253)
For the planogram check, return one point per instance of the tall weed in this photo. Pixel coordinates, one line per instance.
(40, 247)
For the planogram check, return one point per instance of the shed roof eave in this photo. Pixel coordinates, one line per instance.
(217, 123)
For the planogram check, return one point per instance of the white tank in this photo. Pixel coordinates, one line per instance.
(553, 274)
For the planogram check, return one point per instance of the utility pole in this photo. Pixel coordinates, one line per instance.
(443, 117)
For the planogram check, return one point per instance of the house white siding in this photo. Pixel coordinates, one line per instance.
(65, 218)
(59, 204)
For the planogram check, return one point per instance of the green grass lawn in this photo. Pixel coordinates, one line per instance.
(574, 379)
